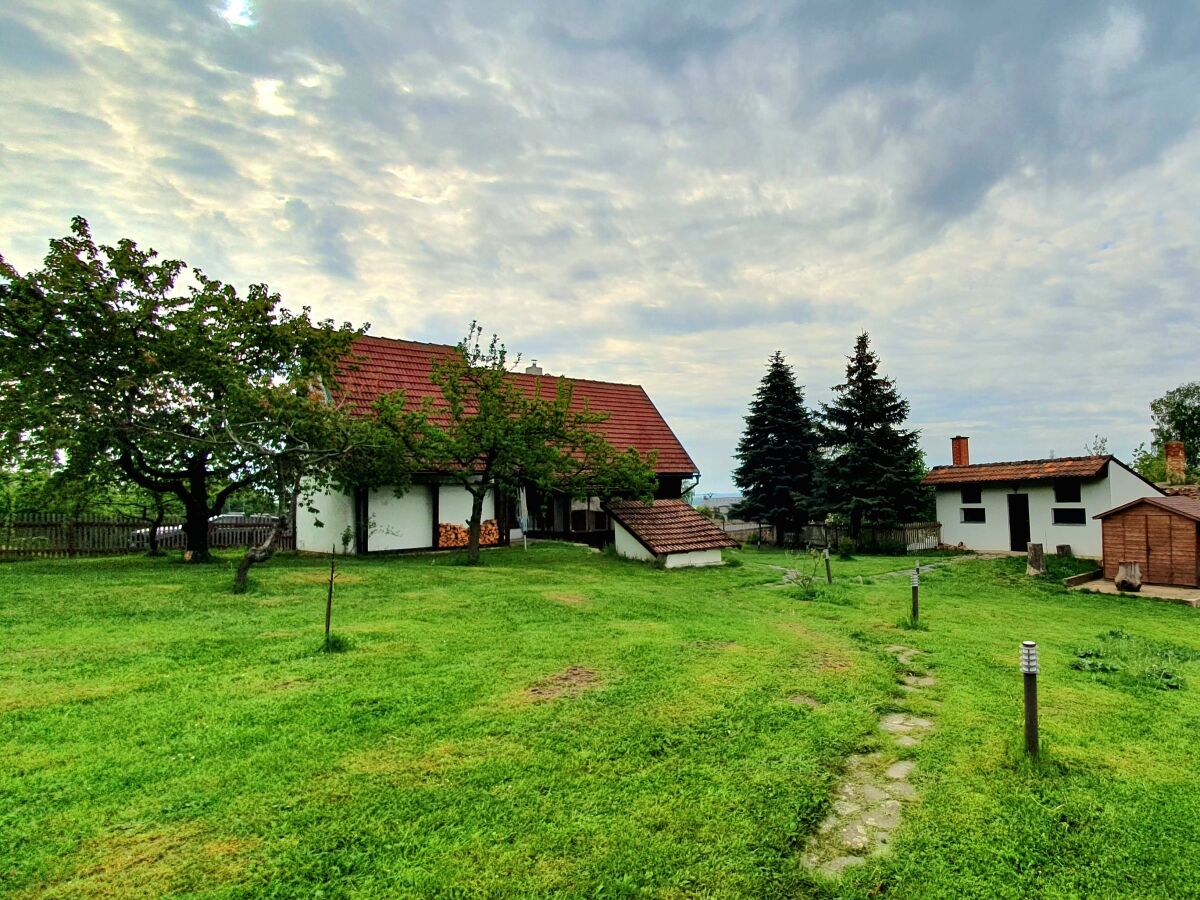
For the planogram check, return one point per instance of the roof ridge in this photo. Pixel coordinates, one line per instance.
(1027, 462)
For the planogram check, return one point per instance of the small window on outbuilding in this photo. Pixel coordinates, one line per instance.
(1066, 491)
(972, 493)
(1069, 516)
(975, 514)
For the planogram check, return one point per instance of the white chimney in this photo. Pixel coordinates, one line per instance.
(534, 369)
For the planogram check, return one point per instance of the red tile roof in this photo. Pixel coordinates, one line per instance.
(1185, 506)
(668, 526)
(1025, 470)
(382, 365)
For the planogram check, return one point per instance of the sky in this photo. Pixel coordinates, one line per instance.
(1005, 196)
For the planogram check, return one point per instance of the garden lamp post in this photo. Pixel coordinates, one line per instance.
(1029, 668)
(916, 591)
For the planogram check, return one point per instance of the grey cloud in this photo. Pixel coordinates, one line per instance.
(323, 233)
(25, 50)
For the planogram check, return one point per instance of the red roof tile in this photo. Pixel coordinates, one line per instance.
(668, 526)
(1025, 470)
(383, 365)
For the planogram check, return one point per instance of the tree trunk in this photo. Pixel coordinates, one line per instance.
(160, 513)
(259, 554)
(474, 526)
(195, 531)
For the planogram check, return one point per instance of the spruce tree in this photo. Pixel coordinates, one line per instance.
(873, 466)
(777, 454)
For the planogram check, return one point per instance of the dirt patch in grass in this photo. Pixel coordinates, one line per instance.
(805, 700)
(152, 863)
(575, 600)
(570, 682)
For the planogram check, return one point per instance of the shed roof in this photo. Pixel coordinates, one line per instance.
(382, 365)
(668, 526)
(1184, 506)
(1024, 470)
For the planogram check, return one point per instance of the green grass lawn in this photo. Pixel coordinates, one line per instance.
(563, 723)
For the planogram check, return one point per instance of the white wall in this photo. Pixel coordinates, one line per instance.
(335, 511)
(628, 545)
(454, 505)
(695, 558)
(1095, 496)
(400, 523)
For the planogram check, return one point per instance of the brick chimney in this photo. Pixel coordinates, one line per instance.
(1176, 462)
(958, 451)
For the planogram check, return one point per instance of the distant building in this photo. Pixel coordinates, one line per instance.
(1005, 506)
(721, 504)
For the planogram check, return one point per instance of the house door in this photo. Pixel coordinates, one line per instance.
(1018, 522)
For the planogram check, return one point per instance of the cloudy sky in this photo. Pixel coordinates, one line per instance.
(1005, 196)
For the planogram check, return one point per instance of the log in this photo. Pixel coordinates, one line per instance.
(1129, 577)
(1037, 560)
(1063, 549)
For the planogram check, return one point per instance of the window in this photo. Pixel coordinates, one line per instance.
(976, 514)
(972, 494)
(1066, 492)
(1069, 516)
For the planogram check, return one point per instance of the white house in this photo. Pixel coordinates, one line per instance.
(1001, 507)
(433, 513)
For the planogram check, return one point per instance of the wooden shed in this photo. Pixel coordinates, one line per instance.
(1160, 534)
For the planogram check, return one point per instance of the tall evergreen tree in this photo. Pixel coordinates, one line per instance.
(873, 465)
(777, 455)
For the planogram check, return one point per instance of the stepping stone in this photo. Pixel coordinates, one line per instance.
(907, 740)
(895, 723)
(845, 807)
(885, 816)
(896, 648)
(840, 863)
(873, 794)
(903, 789)
(901, 770)
(805, 700)
(920, 680)
(854, 837)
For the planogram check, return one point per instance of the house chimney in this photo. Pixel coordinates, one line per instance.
(958, 451)
(1176, 462)
(535, 369)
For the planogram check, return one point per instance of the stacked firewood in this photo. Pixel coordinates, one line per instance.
(458, 535)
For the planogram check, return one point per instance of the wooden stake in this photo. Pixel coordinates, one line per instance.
(329, 599)
(828, 570)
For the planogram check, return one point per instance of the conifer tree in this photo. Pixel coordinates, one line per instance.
(777, 454)
(873, 466)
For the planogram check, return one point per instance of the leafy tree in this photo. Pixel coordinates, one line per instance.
(777, 454)
(105, 363)
(873, 469)
(1098, 446)
(487, 434)
(1176, 417)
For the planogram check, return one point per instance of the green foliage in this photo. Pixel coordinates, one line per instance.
(873, 465)
(336, 643)
(113, 372)
(846, 548)
(1176, 416)
(1151, 463)
(490, 435)
(777, 454)
(1131, 661)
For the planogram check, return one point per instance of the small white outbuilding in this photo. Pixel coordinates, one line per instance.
(668, 531)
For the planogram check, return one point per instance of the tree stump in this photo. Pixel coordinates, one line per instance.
(1129, 577)
(1037, 560)
(1063, 549)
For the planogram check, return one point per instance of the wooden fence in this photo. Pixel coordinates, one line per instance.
(913, 536)
(40, 535)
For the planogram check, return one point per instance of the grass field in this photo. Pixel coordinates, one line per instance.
(563, 723)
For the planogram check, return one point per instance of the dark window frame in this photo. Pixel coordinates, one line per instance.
(971, 490)
(973, 515)
(1068, 491)
(1072, 511)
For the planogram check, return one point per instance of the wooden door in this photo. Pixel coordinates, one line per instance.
(1159, 558)
(1134, 549)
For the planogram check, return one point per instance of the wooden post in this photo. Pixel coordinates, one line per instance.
(1037, 560)
(329, 598)
(916, 591)
(1029, 669)
(828, 570)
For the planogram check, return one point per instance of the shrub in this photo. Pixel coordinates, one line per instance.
(846, 548)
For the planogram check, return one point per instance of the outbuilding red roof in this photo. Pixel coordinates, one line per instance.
(668, 526)
(383, 365)
(1185, 506)
(1025, 470)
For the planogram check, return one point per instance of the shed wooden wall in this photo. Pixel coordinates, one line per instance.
(1162, 543)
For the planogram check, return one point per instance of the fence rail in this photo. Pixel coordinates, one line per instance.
(913, 536)
(47, 535)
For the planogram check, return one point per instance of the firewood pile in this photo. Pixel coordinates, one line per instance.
(458, 535)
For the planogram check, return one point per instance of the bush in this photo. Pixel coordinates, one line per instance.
(888, 548)
(846, 548)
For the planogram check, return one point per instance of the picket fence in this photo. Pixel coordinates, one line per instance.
(42, 535)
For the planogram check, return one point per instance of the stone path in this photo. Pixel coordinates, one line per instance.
(868, 805)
